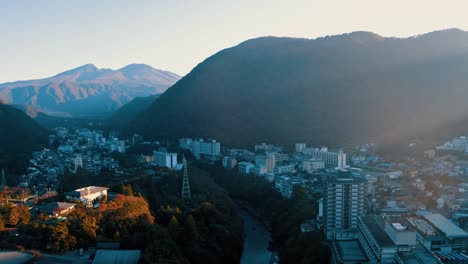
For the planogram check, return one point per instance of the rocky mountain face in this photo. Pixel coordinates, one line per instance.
(87, 90)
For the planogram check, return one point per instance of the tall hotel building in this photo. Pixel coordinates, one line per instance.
(343, 202)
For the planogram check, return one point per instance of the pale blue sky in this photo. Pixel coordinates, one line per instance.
(40, 38)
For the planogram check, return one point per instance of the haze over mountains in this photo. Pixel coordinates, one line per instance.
(352, 88)
(87, 90)
(132, 109)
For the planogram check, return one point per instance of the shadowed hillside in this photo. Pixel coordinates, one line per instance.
(351, 88)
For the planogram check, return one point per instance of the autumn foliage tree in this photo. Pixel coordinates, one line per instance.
(125, 215)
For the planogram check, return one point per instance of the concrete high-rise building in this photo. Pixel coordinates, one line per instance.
(459, 143)
(299, 147)
(263, 147)
(343, 202)
(268, 161)
(210, 148)
(336, 160)
(186, 143)
(164, 159)
(312, 165)
(78, 163)
(244, 167)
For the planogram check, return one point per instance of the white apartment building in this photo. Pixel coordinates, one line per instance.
(78, 163)
(312, 165)
(244, 167)
(210, 148)
(186, 143)
(284, 169)
(87, 194)
(299, 147)
(267, 161)
(336, 160)
(164, 159)
(285, 185)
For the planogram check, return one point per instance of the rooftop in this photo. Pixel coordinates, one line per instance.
(423, 227)
(117, 256)
(350, 250)
(375, 226)
(444, 225)
(51, 208)
(88, 190)
(417, 256)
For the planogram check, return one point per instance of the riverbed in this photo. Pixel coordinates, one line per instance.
(257, 238)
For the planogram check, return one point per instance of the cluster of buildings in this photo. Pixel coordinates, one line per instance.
(369, 216)
(87, 149)
(201, 149)
(89, 196)
(43, 173)
(370, 211)
(79, 138)
(422, 238)
(359, 236)
(301, 167)
(457, 144)
(209, 149)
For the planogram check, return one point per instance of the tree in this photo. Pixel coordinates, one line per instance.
(2, 223)
(191, 229)
(127, 190)
(305, 248)
(161, 248)
(174, 228)
(83, 226)
(60, 238)
(15, 215)
(126, 214)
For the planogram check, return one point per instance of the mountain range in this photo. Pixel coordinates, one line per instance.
(86, 90)
(351, 88)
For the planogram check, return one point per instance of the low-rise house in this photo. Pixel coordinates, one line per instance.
(56, 209)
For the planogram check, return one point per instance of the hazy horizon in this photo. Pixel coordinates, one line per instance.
(44, 38)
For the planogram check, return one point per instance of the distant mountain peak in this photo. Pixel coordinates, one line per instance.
(137, 67)
(444, 33)
(87, 90)
(364, 35)
(84, 68)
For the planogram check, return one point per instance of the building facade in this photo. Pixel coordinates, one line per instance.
(335, 160)
(312, 165)
(343, 203)
(244, 167)
(164, 159)
(87, 195)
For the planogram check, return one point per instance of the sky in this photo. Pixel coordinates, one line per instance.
(42, 38)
